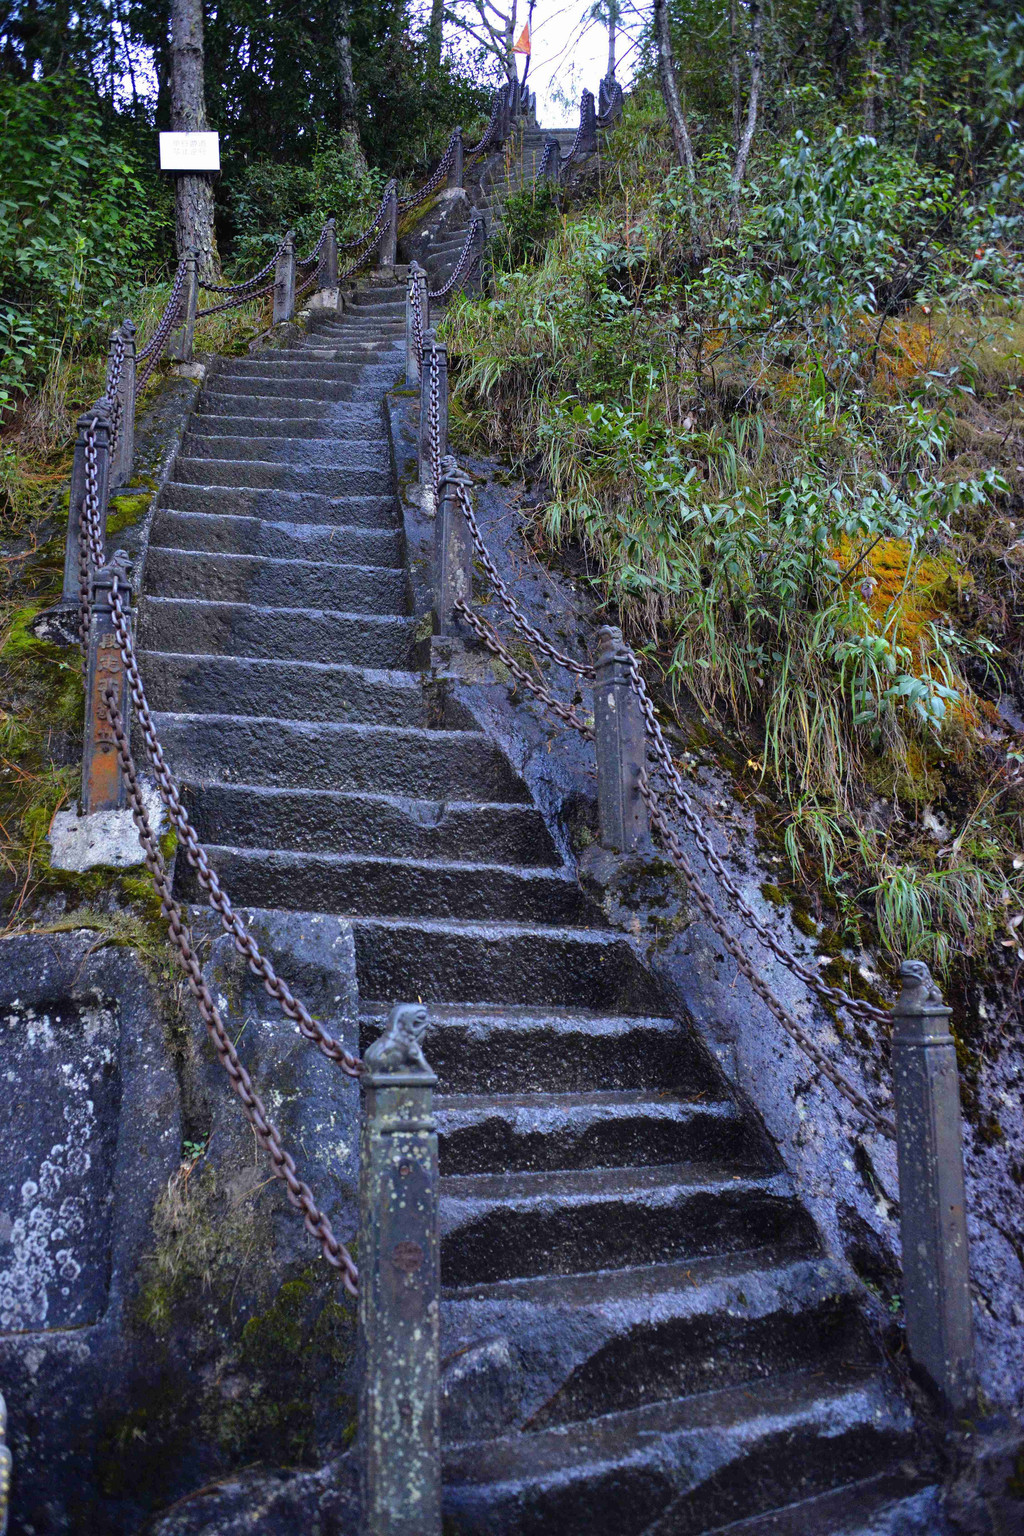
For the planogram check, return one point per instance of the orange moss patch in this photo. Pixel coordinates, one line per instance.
(908, 590)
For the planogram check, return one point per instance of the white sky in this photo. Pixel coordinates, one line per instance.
(570, 53)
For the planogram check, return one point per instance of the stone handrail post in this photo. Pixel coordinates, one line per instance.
(475, 283)
(551, 156)
(619, 746)
(456, 169)
(435, 365)
(389, 239)
(453, 548)
(933, 1216)
(329, 275)
(100, 415)
(399, 1285)
(179, 347)
(102, 776)
(588, 121)
(415, 288)
(284, 280)
(123, 460)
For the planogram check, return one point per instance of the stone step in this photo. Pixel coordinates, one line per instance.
(296, 754)
(501, 1226)
(297, 390)
(488, 1133)
(230, 535)
(323, 370)
(274, 583)
(633, 1337)
(264, 475)
(359, 884)
(891, 1504)
(223, 405)
(305, 507)
(257, 816)
(503, 965)
(247, 424)
(300, 634)
(505, 1048)
(292, 690)
(355, 452)
(378, 300)
(679, 1468)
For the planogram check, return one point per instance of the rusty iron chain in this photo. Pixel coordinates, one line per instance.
(508, 602)
(496, 107)
(436, 176)
(112, 388)
(434, 428)
(236, 302)
(250, 282)
(90, 547)
(418, 318)
(485, 633)
(299, 1193)
(744, 964)
(462, 267)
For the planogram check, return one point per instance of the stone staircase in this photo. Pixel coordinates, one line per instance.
(640, 1332)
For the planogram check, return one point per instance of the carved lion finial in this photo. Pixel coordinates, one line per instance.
(919, 990)
(398, 1049)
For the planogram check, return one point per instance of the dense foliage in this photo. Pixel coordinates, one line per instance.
(791, 457)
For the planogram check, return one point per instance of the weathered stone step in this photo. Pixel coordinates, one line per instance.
(485, 1133)
(631, 1337)
(225, 405)
(307, 507)
(499, 1226)
(299, 634)
(354, 452)
(891, 1504)
(272, 583)
(245, 424)
(263, 475)
(370, 884)
(292, 690)
(506, 1048)
(322, 755)
(679, 1468)
(273, 366)
(232, 535)
(251, 816)
(268, 385)
(503, 965)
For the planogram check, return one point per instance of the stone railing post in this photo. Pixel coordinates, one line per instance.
(552, 159)
(433, 435)
(123, 459)
(102, 777)
(588, 120)
(453, 548)
(620, 747)
(389, 239)
(416, 287)
(284, 280)
(399, 1285)
(933, 1217)
(329, 275)
(100, 414)
(456, 169)
(475, 278)
(179, 347)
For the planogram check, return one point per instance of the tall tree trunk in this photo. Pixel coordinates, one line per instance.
(670, 92)
(435, 34)
(612, 19)
(510, 37)
(739, 169)
(193, 193)
(734, 73)
(348, 116)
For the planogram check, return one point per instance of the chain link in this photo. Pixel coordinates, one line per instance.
(484, 631)
(434, 426)
(462, 268)
(250, 282)
(436, 177)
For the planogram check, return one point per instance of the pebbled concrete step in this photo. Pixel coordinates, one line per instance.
(500, 1226)
(271, 475)
(355, 453)
(308, 507)
(232, 535)
(501, 964)
(367, 884)
(273, 583)
(485, 1133)
(891, 1504)
(254, 816)
(636, 1336)
(678, 1468)
(292, 690)
(296, 634)
(504, 1048)
(326, 755)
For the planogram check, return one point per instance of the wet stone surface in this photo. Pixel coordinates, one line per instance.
(58, 1121)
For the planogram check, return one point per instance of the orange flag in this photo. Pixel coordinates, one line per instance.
(523, 45)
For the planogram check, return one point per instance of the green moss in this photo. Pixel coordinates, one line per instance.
(126, 508)
(774, 894)
(805, 922)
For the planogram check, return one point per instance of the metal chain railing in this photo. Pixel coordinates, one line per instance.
(91, 557)
(464, 266)
(250, 282)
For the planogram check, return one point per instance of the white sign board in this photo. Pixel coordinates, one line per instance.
(190, 151)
